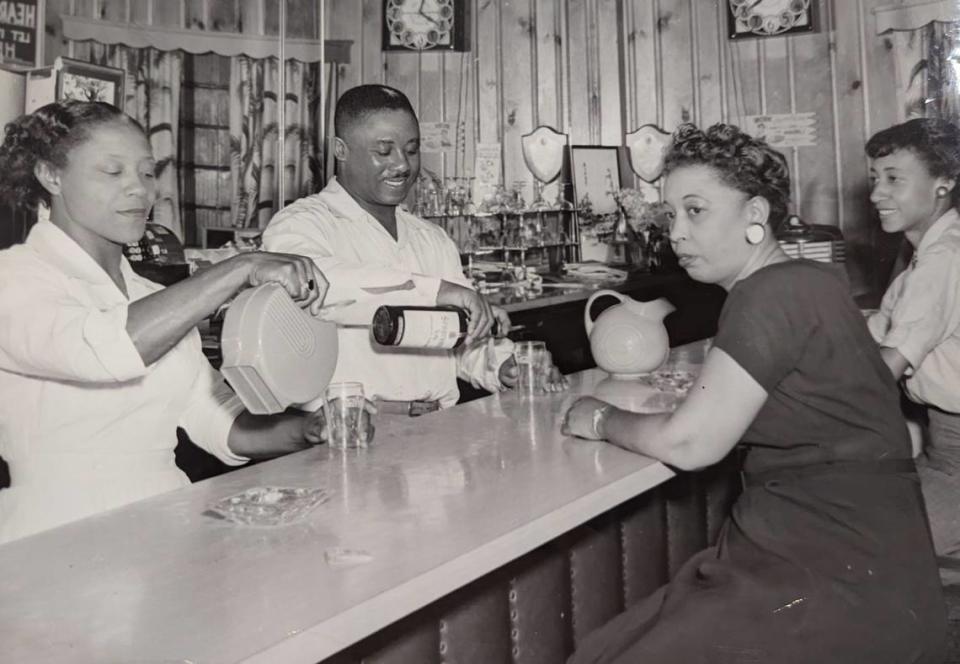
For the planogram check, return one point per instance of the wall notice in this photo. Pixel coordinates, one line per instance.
(786, 130)
(21, 33)
(436, 136)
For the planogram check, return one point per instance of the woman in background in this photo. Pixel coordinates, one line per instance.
(99, 366)
(914, 168)
(826, 556)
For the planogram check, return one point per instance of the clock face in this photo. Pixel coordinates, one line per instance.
(420, 24)
(769, 17)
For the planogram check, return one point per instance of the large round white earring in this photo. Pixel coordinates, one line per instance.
(755, 233)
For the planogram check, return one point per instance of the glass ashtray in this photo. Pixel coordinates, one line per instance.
(676, 382)
(269, 506)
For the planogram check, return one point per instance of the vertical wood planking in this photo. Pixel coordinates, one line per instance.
(366, 48)
(547, 71)
(431, 103)
(817, 198)
(581, 62)
(487, 108)
(642, 51)
(608, 61)
(519, 33)
(677, 88)
(743, 80)
(848, 93)
(706, 17)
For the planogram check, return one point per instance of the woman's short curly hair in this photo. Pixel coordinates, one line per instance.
(935, 142)
(48, 134)
(741, 161)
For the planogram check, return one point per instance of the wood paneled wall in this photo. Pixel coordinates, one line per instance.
(599, 68)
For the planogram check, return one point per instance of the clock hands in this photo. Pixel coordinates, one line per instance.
(427, 16)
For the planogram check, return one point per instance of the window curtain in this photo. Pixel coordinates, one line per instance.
(926, 62)
(152, 96)
(254, 133)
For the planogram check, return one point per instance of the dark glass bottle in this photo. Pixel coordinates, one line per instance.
(442, 327)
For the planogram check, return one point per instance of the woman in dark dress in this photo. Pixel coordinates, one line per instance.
(826, 556)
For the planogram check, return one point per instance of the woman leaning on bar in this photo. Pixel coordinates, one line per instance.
(914, 168)
(826, 555)
(99, 366)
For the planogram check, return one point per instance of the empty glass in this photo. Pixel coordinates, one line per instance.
(530, 357)
(348, 422)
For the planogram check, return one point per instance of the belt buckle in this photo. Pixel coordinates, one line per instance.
(418, 408)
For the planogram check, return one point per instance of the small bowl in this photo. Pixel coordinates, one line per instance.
(269, 506)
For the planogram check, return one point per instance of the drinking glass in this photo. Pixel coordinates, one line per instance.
(530, 357)
(348, 422)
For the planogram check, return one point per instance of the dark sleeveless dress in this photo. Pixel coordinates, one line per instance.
(826, 556)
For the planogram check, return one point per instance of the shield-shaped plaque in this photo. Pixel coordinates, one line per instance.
(647, 145)
(543, 152)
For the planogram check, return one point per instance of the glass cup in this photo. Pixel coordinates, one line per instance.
(349, 425)
(530, 357)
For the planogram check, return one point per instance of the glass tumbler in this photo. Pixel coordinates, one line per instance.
(530, 357)
(348, 422)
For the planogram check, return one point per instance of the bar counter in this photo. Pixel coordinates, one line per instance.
(438, 502)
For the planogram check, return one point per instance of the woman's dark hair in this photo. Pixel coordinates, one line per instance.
(48, 134)
(935, 142)
(741, 161)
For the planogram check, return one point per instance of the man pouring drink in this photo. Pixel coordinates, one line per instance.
(375, 253)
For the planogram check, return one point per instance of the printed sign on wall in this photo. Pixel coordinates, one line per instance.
(785, 130)
(21, 33)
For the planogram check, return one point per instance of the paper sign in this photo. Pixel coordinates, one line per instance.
(786, 130)
(21, 28)
(486, 168)
(436, 136)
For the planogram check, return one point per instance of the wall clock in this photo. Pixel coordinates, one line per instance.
(425, 25)
(766, 18)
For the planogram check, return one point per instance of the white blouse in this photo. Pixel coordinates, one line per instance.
(920, 317)
(85, 426)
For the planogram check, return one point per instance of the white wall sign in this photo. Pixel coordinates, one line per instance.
(785, 130)
(436, 136)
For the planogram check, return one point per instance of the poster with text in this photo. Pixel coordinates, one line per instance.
(21, 33)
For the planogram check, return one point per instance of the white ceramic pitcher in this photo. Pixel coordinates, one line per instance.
(628, 339)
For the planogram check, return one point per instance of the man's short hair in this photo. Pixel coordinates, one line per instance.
(357, 103)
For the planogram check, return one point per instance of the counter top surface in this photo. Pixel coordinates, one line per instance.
(438, 502)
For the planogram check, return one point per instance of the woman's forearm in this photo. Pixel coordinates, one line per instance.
(159, 321)
(265, 436)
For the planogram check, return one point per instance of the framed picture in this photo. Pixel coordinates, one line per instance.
(768, 18)
(89, 82)
(595, 172)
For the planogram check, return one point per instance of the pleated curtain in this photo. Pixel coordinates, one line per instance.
(927, 65)
(254, 133)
